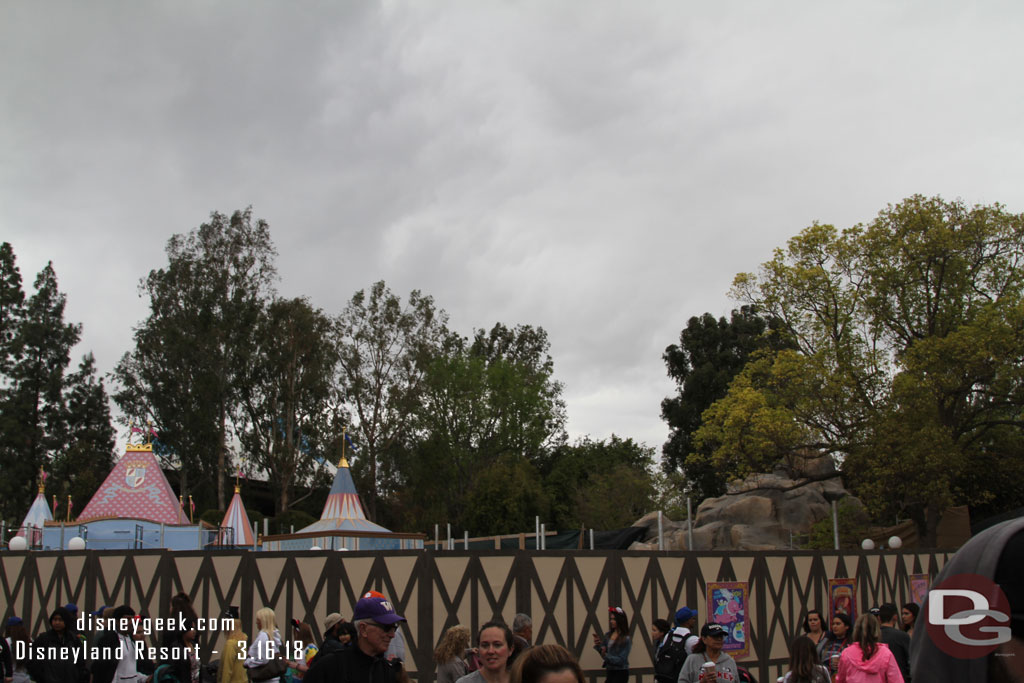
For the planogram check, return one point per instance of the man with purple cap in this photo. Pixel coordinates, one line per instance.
(375, 621)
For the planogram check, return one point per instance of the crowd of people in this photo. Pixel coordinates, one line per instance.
(370, 648)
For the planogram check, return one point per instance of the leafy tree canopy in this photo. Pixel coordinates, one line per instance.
(908, 333)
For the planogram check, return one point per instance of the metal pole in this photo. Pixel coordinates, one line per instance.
(543, 539)
(689, 525)
(162, 535)
(437, 536)
(451, 543)
(255, 533)
(835, 523)
(661, 531)
(591, 539)
(536, 532)
(465, 540)
(266, 526)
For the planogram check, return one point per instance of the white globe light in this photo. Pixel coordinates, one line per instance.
(17, 543)
(867, 544)
(316, 547)
(76, 543)
(343, 548)
(895, 542)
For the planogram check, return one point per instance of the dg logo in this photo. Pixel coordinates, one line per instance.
(967, 616)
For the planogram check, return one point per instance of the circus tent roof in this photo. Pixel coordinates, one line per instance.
(343, 511)
(237, 519)
(38, 514)
(135, 489)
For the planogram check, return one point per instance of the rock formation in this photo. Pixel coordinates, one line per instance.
(757, 513)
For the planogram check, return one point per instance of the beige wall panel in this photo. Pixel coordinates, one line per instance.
(803, 566)
(830, 562)
(358, 571)
(188, 571)
(636, 568)
(497, 570)
(590, 569)
(451, 571)
(225, 568)
(742, 566)
(709, 568)
(402, 573)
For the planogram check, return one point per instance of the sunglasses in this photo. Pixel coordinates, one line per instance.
(390, 628)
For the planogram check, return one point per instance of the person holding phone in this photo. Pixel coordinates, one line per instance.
(614, 646)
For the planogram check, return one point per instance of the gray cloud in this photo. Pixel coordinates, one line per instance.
(602, 171)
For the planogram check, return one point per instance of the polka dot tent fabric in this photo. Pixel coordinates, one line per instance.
(136, 489)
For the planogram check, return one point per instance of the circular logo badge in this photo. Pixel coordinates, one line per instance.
(967, 616)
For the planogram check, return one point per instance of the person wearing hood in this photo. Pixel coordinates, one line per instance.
(63, 668)
(867, 660)
(996, 554)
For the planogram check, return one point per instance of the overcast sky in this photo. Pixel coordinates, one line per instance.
(602, 170)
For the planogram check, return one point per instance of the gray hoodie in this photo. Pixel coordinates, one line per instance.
(980, 555)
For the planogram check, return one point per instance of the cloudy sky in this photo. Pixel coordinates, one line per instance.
(599, 169)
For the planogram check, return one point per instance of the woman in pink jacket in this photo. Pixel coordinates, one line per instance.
(867, 660)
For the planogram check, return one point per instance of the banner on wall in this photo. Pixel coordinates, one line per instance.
(919, 587)
(727, 605)
(842, 598)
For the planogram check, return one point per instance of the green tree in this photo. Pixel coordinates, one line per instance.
(505, 498)
(48, 418)
(579, 481)
(81, 466)
(289, 405)
(485, 401)
(909, 342)
(196, 344)
(383, 348)
(12, 302)
(34, 407)
(709, 355)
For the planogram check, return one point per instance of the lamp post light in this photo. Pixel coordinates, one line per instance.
(834, 497)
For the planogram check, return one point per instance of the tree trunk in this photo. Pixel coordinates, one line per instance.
(221, 460)
(933, 515)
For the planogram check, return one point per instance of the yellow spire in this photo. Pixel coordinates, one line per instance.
(42, 480)
(344, 460)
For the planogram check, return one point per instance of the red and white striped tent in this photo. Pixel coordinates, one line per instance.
(237, 520)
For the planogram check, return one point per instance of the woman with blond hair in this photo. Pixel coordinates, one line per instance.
(231, 669)
(867, 659)
(449, 655)
(546, 664)
(266, 647)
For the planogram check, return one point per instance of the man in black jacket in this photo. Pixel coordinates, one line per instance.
(897, 640)
(66, 662)
(375, 621)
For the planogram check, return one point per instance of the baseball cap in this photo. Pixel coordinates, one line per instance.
(14, 621)
(71, 607)
(714, 630)
(377, 609)
(332, 619)
(684, 615)
(99, 612)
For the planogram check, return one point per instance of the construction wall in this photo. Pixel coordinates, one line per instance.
(567, 593)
